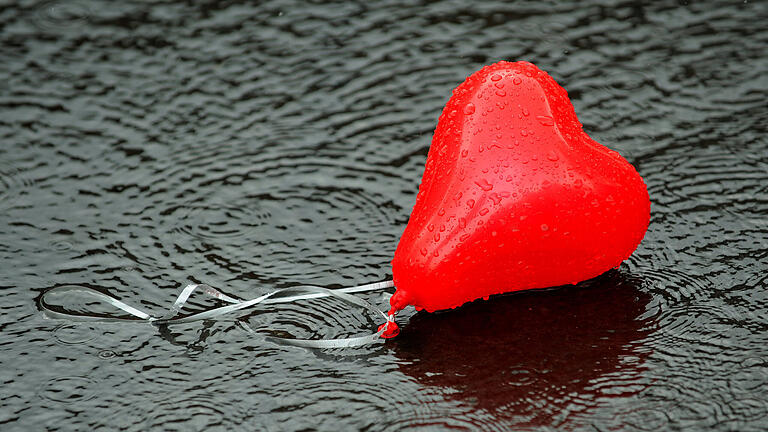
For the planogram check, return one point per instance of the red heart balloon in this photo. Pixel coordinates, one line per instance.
(514, 196)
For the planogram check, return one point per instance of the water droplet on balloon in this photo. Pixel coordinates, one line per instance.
(495, 77)
(544, 227)
(526, 112)
(501, 93)
(469, 108)
(424, 251)
(471, 203)
(441, 212)
(431, 227)
(437, 237)
(483, 212)
(545, 120)
(484, 185)
(551, 155)
(516, 81)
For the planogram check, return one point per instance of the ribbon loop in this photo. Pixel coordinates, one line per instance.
(285, 295)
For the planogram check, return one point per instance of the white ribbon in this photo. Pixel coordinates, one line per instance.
(286, 295)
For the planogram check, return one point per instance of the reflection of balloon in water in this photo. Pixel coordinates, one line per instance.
(528, 356)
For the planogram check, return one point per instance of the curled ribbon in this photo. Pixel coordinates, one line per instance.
(286, 295)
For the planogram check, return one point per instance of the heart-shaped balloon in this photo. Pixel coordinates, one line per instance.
(514, 196)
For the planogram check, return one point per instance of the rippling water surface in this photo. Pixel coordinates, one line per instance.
(147, 144)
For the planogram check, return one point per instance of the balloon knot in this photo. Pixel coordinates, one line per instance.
(390, 328)
(399, 300)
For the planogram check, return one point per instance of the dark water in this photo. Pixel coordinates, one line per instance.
(147, 144)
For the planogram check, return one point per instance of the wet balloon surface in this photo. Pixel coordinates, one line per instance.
(146, 145)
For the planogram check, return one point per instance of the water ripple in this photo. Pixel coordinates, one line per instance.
(747, 409)
(698, 324)
(12, 185)
(645, 419)
(751, 375)
(199, 413)
(429, 421)
(68, 390)
(59, 15)
(72, 334)
(222, 221)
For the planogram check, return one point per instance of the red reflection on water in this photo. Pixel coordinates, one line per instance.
(533, 357)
